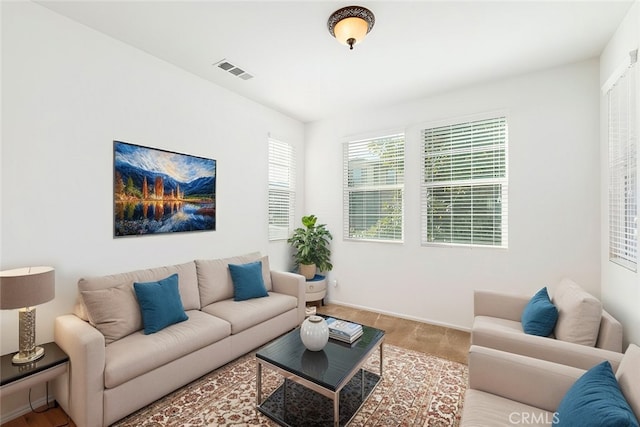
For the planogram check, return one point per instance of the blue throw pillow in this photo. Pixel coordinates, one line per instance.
(540, 315)
(595, 400)
(160, 303)
(247, 281)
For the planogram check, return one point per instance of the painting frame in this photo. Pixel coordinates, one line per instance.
(158, 191)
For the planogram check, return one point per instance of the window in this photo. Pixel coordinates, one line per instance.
(623, 177)
(374, 188)
(464, 183)
(282, 189)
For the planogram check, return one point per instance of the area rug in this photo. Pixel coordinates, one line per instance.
(416, 389)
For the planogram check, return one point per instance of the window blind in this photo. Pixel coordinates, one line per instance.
(622, 132)
(464, 183)
(282, 195)
(374, 188)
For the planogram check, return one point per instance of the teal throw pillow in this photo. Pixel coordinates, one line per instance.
(540, 315)
(595, 400)
(160, 304)
(247, 281)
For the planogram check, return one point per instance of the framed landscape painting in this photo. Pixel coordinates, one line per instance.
(157, 191)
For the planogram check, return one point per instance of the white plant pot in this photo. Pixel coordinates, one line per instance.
(314, 333)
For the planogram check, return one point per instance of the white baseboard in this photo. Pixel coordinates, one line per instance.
(400, 315)
(25, 409)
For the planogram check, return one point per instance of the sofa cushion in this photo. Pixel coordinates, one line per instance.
(579, 314)
(540, 315)
(486, 409)
(595, 400)
(245, 314)
(247, 281)
(214, 278)
(496, 324)
(628, 376)
(126, 306)
(160, 303)
(137, 354)
(113, 311)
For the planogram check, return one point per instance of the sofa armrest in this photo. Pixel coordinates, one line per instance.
(292, 284)
(610, 334)
(80, 391)
(527, 380)
(498, 304)
(544, 348)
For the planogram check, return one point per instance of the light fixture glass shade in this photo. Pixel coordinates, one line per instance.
(351, 24)
(24, 288)
(351, 28)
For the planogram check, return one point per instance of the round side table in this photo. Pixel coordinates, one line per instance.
(316, 290)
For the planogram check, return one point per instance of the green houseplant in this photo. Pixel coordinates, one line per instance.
(311, 244)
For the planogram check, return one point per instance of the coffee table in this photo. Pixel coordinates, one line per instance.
(316, 381)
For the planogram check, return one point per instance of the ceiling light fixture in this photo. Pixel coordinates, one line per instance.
(351, 24)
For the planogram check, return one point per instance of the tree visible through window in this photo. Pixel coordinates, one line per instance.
(374, 188)
(464, 183)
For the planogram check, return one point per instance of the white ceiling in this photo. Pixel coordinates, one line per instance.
(416, 49)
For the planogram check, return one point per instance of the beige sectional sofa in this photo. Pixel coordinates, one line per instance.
(507, 389)
(584, 330)
(115, 369)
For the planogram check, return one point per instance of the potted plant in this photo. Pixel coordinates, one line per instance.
(311, 245)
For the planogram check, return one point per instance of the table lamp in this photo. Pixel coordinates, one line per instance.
(24, 288)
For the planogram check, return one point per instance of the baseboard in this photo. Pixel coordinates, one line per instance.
(25, 409)
(400, 315)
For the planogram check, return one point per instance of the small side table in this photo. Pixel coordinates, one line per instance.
(54, 363)
(316, 289)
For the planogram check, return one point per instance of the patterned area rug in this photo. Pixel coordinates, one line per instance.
(417, 389)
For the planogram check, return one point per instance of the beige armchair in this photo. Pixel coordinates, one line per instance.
(508, 389)
(497, 324)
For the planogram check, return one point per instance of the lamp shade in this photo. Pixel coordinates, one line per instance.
(26, 287)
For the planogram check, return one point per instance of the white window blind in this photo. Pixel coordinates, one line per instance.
(374, 188)
(622, 129)
(465, 184)
(282, 191)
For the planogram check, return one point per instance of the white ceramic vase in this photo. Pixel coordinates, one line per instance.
(314, 333)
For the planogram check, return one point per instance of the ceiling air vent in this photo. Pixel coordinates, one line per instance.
(225, 65)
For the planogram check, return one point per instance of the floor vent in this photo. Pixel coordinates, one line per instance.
(225, 65)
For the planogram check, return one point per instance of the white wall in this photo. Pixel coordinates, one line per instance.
(67, 93)
(620, 287)
(554, 213)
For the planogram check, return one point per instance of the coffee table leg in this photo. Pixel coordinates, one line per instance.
(336, 409)
(259, 384)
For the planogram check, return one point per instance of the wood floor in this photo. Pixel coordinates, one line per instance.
(443, 342)
(447, 343)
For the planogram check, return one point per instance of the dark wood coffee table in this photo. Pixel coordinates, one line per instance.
(320, 373)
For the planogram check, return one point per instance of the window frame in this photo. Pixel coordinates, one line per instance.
(622, 140)
(500, 183)
(281, 155)
(394, 189)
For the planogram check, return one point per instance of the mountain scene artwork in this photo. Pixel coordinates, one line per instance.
(157, 191)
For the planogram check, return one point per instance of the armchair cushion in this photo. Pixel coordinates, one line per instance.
(540, 315)
(595, 400)
(579, 314)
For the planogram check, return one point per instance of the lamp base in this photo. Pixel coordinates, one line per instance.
(21, 358)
